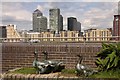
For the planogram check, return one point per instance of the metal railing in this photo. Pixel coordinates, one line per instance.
(61, 39)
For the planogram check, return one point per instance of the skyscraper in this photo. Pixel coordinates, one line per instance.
(116, 26)
(72, 23)
(61, 23)
(78, 28)
(36, 14)
(54, 19)
(39, 21)
(3, 32)
(42, 22)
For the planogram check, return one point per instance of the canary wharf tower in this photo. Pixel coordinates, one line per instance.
(39, 21)
(54, 19)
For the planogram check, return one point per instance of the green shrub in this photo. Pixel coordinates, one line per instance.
(109, 57)
(107, 74)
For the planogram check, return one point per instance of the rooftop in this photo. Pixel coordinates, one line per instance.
(37, 11)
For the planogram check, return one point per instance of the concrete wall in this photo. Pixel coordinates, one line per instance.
(21, 54)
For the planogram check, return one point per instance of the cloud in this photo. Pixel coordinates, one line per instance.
(15, 13)
(41, 8)
(101, 0)
(46, 6)
(97, 15)
(60, 0)
(18, 0)
(90, 14)
(98, 18)
(0, 14)
(77, 0)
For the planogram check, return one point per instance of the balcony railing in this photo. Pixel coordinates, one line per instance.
(61, 39)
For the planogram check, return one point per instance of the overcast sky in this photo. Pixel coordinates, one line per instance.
(91, 13)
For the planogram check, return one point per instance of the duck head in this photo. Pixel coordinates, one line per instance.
(45, 54)
(80, 59)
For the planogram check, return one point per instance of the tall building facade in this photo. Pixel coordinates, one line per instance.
(78, 28)
(3, 32)
(116, 27)
(36, 14)
(61, 23)
(54, 20)
(72, 23)
(39, 21)
(42, 22)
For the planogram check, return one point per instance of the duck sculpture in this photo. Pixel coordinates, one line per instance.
(55, 65)
(41, 66)
(83, 69)
(46, 66)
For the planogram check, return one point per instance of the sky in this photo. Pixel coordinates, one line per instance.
(90, 13)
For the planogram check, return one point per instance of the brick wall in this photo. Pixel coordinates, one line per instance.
(21, 54)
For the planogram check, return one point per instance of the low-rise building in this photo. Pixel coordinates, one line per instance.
(98, 34)
(12, 31)
(12, 34)
(47, 36)
(69, 35)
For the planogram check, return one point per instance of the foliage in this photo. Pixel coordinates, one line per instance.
(68, 71)
(109, 57)
(107, 74)
(25, 71)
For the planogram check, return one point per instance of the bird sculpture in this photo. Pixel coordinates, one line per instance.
(55, 65)
(83, 69)
(41, 66)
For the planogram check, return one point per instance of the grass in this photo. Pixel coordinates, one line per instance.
(25, 71)
(68, 72)
(107, 74)
(64, 72)
(71, 73)
(104, 74)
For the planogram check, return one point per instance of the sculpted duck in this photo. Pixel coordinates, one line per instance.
(56, 65)
(46, 66)
(41, 66)
(83, 69)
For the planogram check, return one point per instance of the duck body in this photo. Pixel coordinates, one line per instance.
(42, 67)
(46, 66)
(83, 69)
(56, 65)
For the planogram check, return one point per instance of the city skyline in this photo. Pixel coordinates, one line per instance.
(89, 14)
